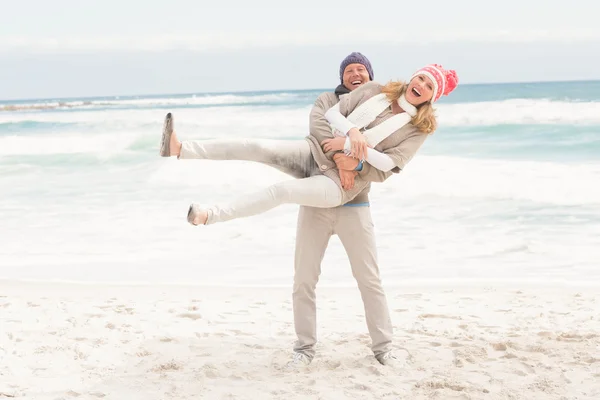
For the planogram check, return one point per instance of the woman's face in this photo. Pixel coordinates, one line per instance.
(420, 90)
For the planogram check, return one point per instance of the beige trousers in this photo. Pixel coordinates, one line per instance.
(292, 157)
(354, 227)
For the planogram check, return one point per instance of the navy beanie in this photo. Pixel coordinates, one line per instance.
(355, 58)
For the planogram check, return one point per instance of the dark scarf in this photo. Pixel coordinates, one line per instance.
(340, 90)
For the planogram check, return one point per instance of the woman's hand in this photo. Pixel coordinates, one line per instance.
(347, 178)
(335, 144)
(358, 144)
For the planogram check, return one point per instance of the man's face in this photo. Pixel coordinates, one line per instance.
(354, 76)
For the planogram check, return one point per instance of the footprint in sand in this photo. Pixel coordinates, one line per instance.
(360, 386)
(95, 315)
(410, 296)
(170, 366)
(442, 316)
(560, 313)
(240, 333)
(432, 384)
(575, 337)
(255, 346)
(499, 346)
(374, 370)
(332, 364)
(528, 367)
(471, 354)
(192, 316)
(538, 349)
(143, 353)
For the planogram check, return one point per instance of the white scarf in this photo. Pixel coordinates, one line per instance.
(366, 113)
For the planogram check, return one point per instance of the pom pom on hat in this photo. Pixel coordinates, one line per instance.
(451, 81)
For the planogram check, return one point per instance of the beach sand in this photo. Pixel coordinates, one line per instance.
(76, 341)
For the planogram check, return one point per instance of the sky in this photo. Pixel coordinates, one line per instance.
(74, 48)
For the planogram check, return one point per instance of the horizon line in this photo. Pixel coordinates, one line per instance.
(88, 97)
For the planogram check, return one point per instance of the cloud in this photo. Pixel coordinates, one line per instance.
(227, 41)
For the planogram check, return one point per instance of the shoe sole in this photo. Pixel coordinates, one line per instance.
(192, 211)
(165, 150)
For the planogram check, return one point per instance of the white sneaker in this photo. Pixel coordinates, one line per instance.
(299, 360)
(389, 359)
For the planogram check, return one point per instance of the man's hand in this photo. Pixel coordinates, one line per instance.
(358, 144)
(335, 144)
(347, 178)
(344, 162)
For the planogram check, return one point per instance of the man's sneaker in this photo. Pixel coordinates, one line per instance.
(299, 360)
(389, 359)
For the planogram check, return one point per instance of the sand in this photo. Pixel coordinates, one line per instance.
(74, 341)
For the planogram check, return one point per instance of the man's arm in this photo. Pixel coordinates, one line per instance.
(347, 178)
(318, 125)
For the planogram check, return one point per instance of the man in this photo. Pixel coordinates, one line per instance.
(353, 224)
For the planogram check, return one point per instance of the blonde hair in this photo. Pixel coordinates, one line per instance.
(425, 120)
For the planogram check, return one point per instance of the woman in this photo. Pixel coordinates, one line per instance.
(395, 120)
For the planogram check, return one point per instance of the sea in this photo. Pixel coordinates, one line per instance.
(507, 190)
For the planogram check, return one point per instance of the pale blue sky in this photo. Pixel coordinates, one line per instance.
(67, 48)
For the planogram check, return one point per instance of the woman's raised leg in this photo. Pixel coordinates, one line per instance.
(315, 191)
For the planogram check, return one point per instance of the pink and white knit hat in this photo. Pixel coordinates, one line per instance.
(444, 81)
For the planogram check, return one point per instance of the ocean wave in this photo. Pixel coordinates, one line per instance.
(426, 180)
(104, 145)
(178, 101)
(250, 110)
(519, 111)
(32, 125)
(501, 180)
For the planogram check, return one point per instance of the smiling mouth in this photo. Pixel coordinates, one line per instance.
(416, 92)
(356, 82)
